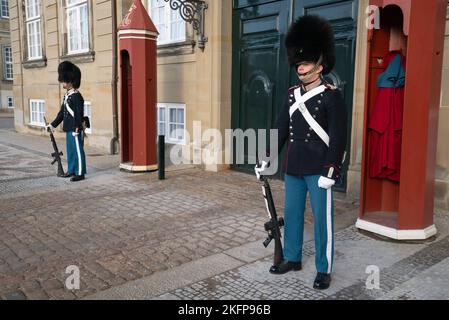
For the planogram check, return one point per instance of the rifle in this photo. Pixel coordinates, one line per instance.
(57, 154)
(273, 226)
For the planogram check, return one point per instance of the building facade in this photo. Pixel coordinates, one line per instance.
(6, 66)
(44, 33)
(237, 81)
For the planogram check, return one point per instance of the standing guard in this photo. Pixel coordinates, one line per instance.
(313, 122)
(72, 116)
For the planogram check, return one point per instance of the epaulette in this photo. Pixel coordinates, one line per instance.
(330, 87)
(293, 88)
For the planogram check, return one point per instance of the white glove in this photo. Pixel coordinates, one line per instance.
(75, 134)
(50, 128)
(325, 183)
(259, 169)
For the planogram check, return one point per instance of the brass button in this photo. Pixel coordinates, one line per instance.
(291, 127)
(306, 140)
(290, 100)
(316, 108)
(291, 95)
(319, 101)
(310, 129)
(314, 116)
(291, 133)
(291, 140)
(308, 134)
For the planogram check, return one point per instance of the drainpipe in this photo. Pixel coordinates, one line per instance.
(114, 141)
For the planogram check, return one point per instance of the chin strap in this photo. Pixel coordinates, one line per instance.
(315, 68)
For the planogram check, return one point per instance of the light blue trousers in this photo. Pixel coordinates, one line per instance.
(76, 157)
(296, 189)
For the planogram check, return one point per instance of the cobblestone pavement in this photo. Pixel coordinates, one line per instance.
(115, 226)
(406, 271)
(133, 236)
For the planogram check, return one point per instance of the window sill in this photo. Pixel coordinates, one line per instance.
(177, 48)
(176, 142)
(38, 63)
(36, 126)
(84, 57)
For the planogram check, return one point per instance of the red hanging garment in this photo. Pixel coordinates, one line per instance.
(385, 124)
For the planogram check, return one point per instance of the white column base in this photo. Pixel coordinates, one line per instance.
(417, 234)
(132, 168)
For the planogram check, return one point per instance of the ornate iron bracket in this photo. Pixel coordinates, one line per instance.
(192, 11)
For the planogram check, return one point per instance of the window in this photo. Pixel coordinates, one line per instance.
(88, 113)
(4, 9)
(168, 22)
(33, 29)
(37, 112)
(77, 26)
(10, 102)
(7, 62)
(161, 127)
(171, 122)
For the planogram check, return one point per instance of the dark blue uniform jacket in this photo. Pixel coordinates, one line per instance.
(75, 102)
(306, 153)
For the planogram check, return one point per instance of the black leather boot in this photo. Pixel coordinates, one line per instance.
(322, 281)
(67, 175)
(77, 178)
(286, 266)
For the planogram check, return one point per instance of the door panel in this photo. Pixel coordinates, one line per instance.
(259, 69)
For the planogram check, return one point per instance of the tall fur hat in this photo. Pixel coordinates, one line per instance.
(70, 73)
(308, 38)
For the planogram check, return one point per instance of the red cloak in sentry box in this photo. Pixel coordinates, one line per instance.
(385, 123)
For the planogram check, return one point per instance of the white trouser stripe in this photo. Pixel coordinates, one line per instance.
(80, 170)
(329, 229)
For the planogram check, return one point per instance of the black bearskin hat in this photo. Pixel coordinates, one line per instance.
(69, 73)
(308, 38)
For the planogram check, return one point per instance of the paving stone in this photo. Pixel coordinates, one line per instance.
(122, 227)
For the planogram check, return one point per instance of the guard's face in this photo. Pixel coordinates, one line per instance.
(303, 69)
(66, 85)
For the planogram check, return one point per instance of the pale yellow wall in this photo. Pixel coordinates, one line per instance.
(41, 83)
(353, 188)
(442, 171)
(443, 138)
(202, 79)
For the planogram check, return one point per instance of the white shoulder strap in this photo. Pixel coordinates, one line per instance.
(300, 105)
(69, 109)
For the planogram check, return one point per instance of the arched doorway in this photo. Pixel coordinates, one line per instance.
(126, 107)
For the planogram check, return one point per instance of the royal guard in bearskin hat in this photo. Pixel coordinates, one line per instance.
(72, 116)
(313, 124)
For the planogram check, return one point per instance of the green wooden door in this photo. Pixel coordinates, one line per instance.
(260, 71)
(261, 75)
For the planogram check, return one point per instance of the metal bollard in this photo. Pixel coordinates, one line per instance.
(161, 157)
